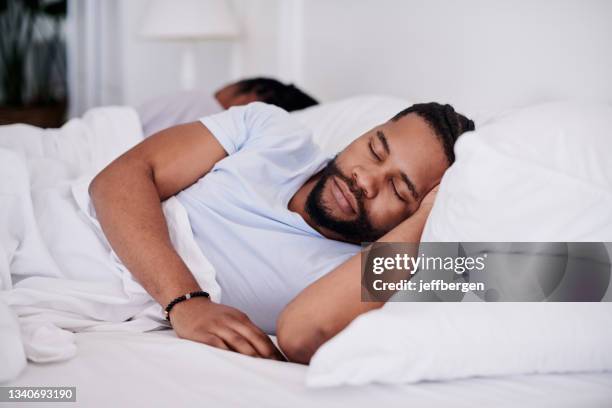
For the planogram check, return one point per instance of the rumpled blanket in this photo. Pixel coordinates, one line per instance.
(58, 273)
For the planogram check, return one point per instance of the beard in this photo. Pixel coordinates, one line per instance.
(358, 230)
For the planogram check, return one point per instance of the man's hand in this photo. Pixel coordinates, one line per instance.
(429, 198)
(221, 326)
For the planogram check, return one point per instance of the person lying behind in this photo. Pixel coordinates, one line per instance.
(187, 106)
(278, 219)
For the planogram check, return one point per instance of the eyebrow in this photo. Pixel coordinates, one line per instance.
(410, 185)
(383, 139)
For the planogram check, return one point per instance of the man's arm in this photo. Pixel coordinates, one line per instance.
(328, 305)
(127, 197)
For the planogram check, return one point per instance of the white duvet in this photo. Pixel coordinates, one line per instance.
(58, 274)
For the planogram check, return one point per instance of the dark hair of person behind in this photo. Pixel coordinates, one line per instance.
(274, 92)
(444, 121)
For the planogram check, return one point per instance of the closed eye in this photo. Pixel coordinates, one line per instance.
(395, 191)
(376, 156)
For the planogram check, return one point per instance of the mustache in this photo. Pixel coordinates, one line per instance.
(359, 229)
(332, 169)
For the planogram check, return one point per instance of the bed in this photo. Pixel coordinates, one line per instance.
(158, 370)
(119, 368)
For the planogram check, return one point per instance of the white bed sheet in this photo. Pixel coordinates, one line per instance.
(157, 369)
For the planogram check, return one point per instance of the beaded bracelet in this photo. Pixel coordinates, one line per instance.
(199, 293)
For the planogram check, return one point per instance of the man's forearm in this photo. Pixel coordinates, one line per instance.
(127, 196)
(322, 310)
(128, 207)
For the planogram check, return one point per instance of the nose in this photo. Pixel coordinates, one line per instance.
(366, 181)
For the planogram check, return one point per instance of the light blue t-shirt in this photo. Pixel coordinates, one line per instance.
(263, 253)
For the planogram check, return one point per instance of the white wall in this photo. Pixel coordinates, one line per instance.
(476, 54)
(258, 50)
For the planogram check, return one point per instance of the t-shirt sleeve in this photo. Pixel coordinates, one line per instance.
(240, 125)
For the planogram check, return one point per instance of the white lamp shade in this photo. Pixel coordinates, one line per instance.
(189, 20)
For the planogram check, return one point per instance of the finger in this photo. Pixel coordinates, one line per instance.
(214, 341)
(257, 338)
(209, 340)
(237, 342)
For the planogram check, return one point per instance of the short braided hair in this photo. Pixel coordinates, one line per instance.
(446, 123)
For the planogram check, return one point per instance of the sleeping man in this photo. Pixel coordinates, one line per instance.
(277, 219)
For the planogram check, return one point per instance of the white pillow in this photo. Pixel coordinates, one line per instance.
(175, 108)
(412, 342)
(537, 174)
(336, 124)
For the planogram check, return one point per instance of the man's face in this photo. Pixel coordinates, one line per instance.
(378, 180)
